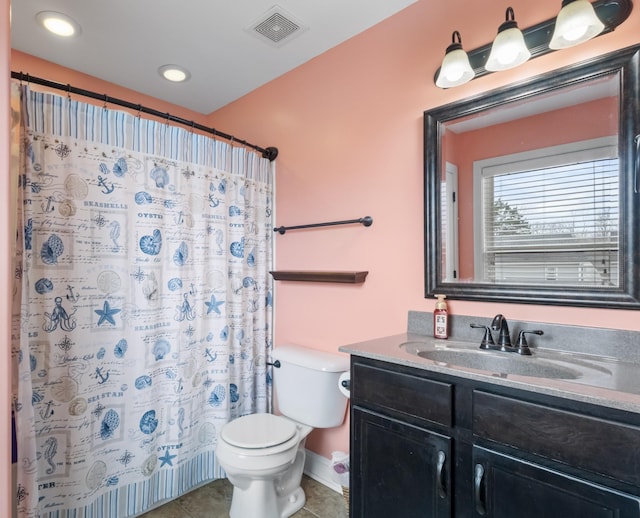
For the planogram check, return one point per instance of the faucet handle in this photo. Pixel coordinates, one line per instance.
(487, 339)
(522, 347)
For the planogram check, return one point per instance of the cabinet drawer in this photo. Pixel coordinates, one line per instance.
(401, 393)
(589, 443)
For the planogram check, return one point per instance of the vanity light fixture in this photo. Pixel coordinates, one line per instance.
(58, 23)
(538, 39)
(509, 49)
(576, 23)
(174, 73)
(455, 69)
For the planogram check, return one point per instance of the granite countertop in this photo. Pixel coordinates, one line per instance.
(598, 379)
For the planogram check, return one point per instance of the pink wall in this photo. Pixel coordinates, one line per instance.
(348, 125)
(5, 268)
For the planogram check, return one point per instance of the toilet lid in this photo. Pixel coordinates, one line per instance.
(258, 431)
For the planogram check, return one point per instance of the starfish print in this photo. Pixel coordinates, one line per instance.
(106, 313)
(167, 459)
(213, 305)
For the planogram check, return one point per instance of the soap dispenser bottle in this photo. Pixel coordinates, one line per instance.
(441, 318)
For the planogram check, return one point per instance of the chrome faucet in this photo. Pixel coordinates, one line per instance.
(499, 323)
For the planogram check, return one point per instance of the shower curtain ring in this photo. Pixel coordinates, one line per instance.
(68, 91)
(139, 110)
(106, 98)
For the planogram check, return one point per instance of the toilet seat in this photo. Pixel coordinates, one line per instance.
(258, 431)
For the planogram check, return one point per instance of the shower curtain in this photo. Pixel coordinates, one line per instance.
(143, 305)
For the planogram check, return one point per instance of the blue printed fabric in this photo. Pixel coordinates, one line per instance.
(143, 307)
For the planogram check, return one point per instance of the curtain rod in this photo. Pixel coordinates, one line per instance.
(270, 153)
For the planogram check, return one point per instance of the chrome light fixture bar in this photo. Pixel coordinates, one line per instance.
(537, 38)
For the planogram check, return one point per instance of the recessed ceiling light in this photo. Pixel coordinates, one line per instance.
(58, 23)
(174, 73)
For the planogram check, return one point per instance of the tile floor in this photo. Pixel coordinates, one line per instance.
(214, 500)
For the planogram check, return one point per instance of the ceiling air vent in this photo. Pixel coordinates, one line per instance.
(276, 26)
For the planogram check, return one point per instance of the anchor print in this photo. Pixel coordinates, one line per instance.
(102, 377)
(47, 412)
(73, 297)
(106, 188)
(49, 207)
(210, 357)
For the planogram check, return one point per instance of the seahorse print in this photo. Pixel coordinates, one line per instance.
(50, 450)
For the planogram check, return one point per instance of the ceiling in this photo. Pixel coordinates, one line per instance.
(126, 41)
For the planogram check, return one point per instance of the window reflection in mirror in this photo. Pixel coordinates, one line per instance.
(527, 191)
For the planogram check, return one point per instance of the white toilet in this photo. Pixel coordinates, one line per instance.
(263, 454)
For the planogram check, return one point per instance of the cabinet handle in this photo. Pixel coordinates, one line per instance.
(440, 483)
(481, 507)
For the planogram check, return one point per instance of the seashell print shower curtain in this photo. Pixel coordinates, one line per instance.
(143, 306)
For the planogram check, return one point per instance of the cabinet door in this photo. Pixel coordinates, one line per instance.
(505, 487)
(398, 470)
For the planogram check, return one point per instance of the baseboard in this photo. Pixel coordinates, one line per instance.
(319, 468)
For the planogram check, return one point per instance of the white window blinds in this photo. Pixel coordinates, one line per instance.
(553, 219)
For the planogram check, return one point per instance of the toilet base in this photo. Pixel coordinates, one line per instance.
(261, 501)
(277, 497)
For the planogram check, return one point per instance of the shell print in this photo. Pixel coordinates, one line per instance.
(52, 248)
(43, 286)
(96, 475)
(234, 211)
(161, 349)
(143, 198)
(148, 422)
(160, 176)
(104, 169)
(175, 284)
(151, 245)
(251, 258)
(120, 349)
(143, 382)
(181, 254)
(36, 397)
(233, 393)
(217, 396)
(110, 422)
(237, 248)
(28, 234)
(120, 167)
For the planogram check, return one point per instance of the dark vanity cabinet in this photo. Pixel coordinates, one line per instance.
(425, 444)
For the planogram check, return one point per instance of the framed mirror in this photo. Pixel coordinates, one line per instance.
(532, 190)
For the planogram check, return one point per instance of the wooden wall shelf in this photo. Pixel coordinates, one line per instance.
(317, 276)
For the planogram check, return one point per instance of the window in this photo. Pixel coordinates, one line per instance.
(550, 215)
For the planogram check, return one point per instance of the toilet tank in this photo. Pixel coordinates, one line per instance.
(306, 385)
